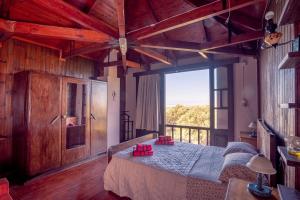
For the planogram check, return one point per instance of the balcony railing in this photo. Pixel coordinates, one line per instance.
(190, 134)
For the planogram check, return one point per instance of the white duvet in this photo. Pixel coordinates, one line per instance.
(182, 171)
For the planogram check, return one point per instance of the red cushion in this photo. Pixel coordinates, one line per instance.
(4, 186)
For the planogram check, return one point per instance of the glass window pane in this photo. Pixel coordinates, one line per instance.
(221, 119)
(76, 114)
(220, 75)
(217, 99)
(225, 98)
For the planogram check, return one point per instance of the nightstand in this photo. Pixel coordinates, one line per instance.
(245, 137)
(237, 190)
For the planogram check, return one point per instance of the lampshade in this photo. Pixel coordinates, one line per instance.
(252, 125)
(260, 164)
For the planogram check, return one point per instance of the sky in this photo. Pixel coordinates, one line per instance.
(187, 88)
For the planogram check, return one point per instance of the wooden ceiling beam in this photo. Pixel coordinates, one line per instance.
(121, 16)
(129, 63)
(233, 51)
(156, 18)
(24, 28)
(86, 49)
(198, 14)
(246, 22)
(196, 66)
(70, 12)
(247, 37)
(172, 45)
(120, 8)
(196, 47)
(152, 54)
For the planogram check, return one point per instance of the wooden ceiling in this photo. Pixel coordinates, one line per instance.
(156, 30)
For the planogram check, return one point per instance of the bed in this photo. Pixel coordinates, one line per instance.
(182, 171)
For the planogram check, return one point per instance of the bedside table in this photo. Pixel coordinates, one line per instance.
(245, 137)
(237, 190)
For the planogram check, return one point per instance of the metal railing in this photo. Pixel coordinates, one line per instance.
(127, 126)
(190, 134)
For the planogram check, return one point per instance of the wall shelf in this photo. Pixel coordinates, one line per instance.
(290, 12)
(291, 60)
(289, 160)
(289, 106)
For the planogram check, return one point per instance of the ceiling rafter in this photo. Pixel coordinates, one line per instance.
(233, 51)
(240, 19)
(25, 28)
(157, 19)
(237, 17)
(153, 54)
(196, 47)
(120, 8)
(86, 49)
(70, 12)
(129, 63)
(190, 17)
(247, 37)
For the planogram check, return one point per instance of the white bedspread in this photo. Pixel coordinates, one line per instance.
(182, 171)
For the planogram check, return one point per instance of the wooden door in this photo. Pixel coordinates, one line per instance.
(76, 120)
(44, 123)
(221, 105)
(98, 117)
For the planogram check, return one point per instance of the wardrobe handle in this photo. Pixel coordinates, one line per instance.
(93, 117)
(55, 119)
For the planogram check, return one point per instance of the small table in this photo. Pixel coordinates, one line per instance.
(291, 161)
(287, 193)
(245, 137)
(237, 190)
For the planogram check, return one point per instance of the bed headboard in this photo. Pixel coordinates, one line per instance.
(267, 145)
(124, 145)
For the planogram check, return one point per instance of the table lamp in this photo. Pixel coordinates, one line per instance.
(252, 126)
(261, 165)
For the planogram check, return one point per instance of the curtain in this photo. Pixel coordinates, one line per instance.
(148, 112)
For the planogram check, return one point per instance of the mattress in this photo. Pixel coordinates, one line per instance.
(181, 171)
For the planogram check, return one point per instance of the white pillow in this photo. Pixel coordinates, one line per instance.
(234, 166)
(239, 147)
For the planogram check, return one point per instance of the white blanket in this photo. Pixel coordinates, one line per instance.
(182, 171)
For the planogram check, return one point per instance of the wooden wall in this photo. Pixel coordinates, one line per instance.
(17, 56)
(278, 86)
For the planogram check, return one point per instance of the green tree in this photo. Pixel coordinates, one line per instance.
(188, 115)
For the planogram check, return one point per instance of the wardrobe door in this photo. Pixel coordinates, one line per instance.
(44, 123)
(76, 120)
(98, 117)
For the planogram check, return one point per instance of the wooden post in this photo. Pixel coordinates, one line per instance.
(162, 104)
(297, 122)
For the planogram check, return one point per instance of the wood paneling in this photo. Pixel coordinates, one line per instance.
(278, 86)
(16, 56)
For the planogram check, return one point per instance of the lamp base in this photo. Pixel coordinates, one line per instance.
(264, 192)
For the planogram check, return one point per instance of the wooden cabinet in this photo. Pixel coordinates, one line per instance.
(98, 117)
(52, 121)
(36, 123)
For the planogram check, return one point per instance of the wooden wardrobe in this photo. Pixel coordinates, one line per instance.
(57, 121)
